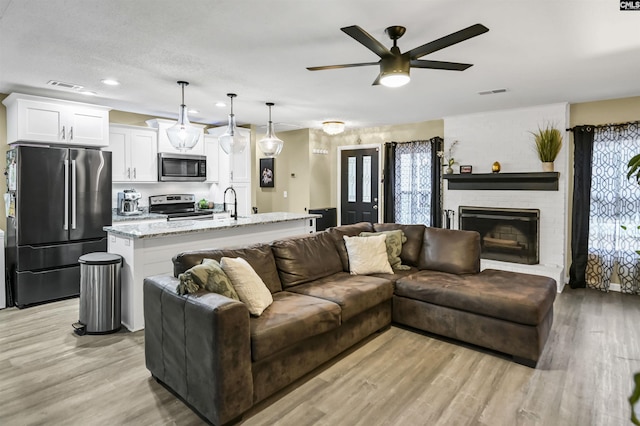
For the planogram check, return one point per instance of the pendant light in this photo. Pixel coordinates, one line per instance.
(183, 136)
(232, 141)
(271, 145)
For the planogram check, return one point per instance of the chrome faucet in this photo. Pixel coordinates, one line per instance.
(235, 202)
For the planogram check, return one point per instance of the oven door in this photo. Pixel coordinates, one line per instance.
(181, 168)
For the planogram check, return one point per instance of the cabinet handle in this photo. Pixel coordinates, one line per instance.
(71, 133)
(128, 172)
(63, 133)
(134, 172)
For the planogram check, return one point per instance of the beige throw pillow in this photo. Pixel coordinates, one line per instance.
(394, 242)
(367, 255)
(252, 291)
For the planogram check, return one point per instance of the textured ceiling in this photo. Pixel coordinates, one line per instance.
(541, 52)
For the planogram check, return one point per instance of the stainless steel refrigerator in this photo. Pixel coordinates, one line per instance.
(59, 199)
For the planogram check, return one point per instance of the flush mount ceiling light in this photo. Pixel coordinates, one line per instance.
(183, 136)
(333, 127)
(271, 145)
(232, 141)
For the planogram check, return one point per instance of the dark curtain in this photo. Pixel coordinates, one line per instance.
(437, 145)
(583, 155)
(389, 181)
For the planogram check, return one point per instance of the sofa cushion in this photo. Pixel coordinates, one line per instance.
(303, 259)
(292, 317)
(395, 240)
(354, 293)
(448, 250)
(250, 288)
(367, 255)
(511, 296)
(397, 274)
(259, 256)
(410, 253)
(337, 232)
(207, 276)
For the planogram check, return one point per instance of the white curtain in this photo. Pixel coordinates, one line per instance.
(615, 202)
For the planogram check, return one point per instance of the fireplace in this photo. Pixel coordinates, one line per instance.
(509, 235)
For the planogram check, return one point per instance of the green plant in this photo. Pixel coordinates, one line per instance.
(634, 168)
(548, 143)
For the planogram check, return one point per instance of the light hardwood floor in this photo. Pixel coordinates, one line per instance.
(48, 375)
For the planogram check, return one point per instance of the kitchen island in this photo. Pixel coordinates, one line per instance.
(147, 247)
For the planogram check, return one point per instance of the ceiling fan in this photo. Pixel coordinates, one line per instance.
(394, 65)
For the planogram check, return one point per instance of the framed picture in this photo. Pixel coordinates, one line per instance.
(267, 173)
(465, 169)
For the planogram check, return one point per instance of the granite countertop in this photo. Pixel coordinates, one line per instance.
(145, 215)
(163, 229)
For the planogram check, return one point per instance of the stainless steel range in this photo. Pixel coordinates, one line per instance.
(177, 207)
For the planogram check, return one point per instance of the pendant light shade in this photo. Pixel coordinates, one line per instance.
(183, 136)
(271, 145)
(232, 142)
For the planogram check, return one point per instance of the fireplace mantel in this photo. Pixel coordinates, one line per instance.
(542, 181)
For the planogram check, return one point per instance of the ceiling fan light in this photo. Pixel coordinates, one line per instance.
(183, 136)
(232, 142)
(395, 79)
(333, 127)
(271, 145)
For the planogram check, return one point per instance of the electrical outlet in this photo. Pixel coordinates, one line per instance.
(285, 194)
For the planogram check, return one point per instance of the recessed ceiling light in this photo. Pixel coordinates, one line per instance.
(110, 82)
(88, 93)
(221, 104)
(193, 111)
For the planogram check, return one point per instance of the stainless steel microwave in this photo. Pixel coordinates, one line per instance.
(181, 168)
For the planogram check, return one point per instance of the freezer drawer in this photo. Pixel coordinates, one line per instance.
(36, 287)
(32, 258)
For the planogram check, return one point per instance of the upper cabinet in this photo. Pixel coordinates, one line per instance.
(52, 121)
(241, 162)
(163, 140)
(212, 151)
(134, 153)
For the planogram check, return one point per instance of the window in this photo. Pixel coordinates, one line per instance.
(413, 183)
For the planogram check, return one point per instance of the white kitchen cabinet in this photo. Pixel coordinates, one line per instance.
(163, 140)
(211, 151)
(243, 192)
(134, 153)
(241, 161)
(52, 121)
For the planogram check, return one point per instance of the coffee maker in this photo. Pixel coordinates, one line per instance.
(128, 202)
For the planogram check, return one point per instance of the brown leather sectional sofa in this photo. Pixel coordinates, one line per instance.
(220, 360)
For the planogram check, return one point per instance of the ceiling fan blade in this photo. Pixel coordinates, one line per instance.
(449, 40)
(364, 38)
(439, 65)
(335, 67)
(376, 82)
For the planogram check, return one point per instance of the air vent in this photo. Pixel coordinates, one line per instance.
(492, 92)
(63, 85)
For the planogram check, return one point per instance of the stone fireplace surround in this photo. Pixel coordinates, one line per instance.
(504, 136)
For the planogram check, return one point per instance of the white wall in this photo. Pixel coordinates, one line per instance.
(504, 136)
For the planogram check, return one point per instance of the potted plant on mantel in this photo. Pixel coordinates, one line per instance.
(548, 146)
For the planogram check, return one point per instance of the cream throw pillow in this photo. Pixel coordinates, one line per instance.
(250, 288)
(367, 255)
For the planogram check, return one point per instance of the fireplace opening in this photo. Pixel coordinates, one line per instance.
(509, 235)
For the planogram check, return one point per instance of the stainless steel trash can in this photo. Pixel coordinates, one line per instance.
(99, 293)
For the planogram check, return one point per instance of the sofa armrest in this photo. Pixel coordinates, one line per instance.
(199, 346)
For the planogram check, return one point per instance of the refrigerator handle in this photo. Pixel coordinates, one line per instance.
(73, 194)
(66, 195)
